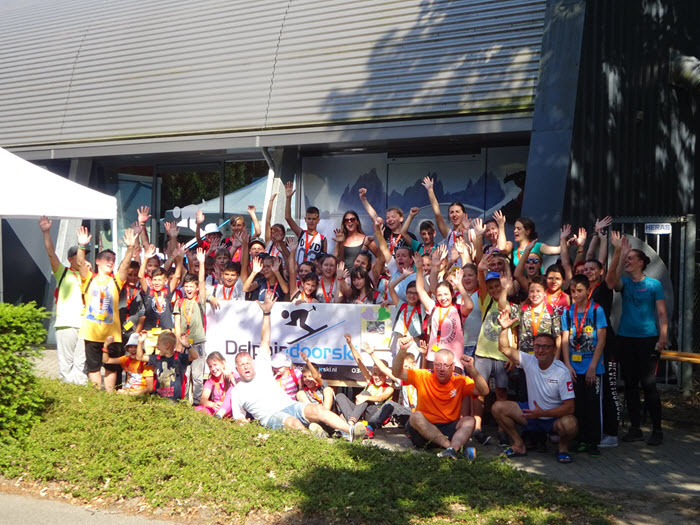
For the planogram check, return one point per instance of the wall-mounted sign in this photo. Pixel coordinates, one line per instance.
(657, 228)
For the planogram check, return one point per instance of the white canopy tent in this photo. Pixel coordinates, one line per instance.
(29, 191)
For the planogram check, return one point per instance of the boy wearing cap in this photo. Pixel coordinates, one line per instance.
(488, 360)
(288, 377)
(139, 376)
(69, 307)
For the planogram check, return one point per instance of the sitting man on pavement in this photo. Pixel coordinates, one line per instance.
(550, 391)
(261, 396)
(440, 393)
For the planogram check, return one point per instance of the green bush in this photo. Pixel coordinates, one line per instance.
(21, 331)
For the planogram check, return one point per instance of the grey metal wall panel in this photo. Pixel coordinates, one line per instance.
(83, 71)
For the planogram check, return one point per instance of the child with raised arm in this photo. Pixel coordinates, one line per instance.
(216, 387)
(401, 258)
(231, 286)
(367, 403)
(427, 234)
(101, 295)
(445, 316)
(269, 280)
(190, 322)
(394, 220)
(139, 376)
(311, 242)
(303, 281)
(169, 365)
(314, 389)
(457, 213)
(158, 296)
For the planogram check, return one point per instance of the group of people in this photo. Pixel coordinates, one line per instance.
(476, 313)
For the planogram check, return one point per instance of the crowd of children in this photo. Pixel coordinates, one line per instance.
(147, 316)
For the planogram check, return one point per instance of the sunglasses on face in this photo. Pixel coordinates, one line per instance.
(350, 219)
(533, 261)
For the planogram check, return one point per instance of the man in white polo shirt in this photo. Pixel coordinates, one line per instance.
(550, 405)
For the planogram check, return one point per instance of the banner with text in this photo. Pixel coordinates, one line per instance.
(318, 330)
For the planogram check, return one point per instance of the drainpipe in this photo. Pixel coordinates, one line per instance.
(268, 159)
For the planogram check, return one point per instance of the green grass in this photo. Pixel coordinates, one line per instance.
(99, 445)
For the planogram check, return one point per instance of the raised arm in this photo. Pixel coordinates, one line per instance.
(380, 240)
(504, 245)
(358, 359)
(257, 268)
(397, 369)
(506, 322)
(407, 224)
(201, 275)
(612, 278)
(129, 240)
(368, 207)
(339, 239)
(580, 245)
(314, 371)
(199, 220)
(406, 272)
(254, 220)
(292, 244)
(378, 362)
(288, 192)
(179, 256)
(143, 335)
(144, 216)
(45, 226)
(564, 255)
(268, 218)
(439, 219)
(467, 303)
(519, 273)
(83, 240)
(279, 276)
(600, 239)
(266, 308)
(425, 299)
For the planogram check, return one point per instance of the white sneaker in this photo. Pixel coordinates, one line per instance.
(357, 432)
(317, 431)
(608, 441)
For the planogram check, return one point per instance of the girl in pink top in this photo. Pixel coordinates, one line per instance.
(215, 388)
(446, 317)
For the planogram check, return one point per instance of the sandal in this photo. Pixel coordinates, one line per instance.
(510, 453)
(563, 458)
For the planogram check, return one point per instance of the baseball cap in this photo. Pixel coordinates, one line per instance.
(492, 275)
(133, 340)
(72, 251)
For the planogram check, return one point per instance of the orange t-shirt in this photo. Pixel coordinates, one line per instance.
(437, 402)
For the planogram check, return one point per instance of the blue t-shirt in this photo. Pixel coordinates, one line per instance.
(582, 346)
(170, 374)
(638, 318)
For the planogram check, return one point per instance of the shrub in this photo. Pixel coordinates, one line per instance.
(21, 331)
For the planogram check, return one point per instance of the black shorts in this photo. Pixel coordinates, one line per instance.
(447, 429)
(93, 356)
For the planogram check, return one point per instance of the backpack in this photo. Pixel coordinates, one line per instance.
(55, 292)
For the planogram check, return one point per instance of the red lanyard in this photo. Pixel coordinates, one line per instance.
(579, 326)
(316, 396)
(159, 307)
(304, 298)
(536, 325)
(327, 296)
(386, 287)
(308, 243)
(591, 292)
(223, 293)
(274, 289)
(188, 313)
(405, 311)
(441, 319)
(432, 247)
(393, 242)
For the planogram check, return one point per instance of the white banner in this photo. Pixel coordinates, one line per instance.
(318, 330)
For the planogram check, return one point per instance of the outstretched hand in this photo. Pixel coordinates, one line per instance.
(268, 303)
(44, 223)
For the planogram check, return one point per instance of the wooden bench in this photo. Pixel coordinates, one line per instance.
(681, 357)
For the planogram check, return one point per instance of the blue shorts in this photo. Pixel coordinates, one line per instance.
(447, 429)
(276, 421)
(537, 425)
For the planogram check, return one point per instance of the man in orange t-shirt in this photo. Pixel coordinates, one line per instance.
(436, 419)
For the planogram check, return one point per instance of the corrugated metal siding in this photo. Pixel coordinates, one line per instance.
(634, 140)
(81, 71)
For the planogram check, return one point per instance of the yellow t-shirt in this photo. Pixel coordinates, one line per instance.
(487, 345)
(101, 315)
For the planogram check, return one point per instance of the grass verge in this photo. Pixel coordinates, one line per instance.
(113, 447)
